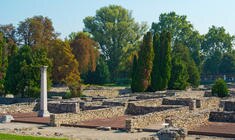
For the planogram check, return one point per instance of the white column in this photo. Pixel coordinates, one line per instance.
(43, 98)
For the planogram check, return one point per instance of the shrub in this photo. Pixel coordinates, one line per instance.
(220, 88)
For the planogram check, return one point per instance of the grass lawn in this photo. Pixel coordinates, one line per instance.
(18, 137)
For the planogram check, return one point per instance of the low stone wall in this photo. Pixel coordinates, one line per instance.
(222, 116)
(63, 107)
(154, 117)
(17, 108)
(108, 93)
(148, 102)
(114, 103)
(132, 109)
(229, 105)
(180, 101)
(73, 118)
(208, 103)
(190, 120)
(7, 101)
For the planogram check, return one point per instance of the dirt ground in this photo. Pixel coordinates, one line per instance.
(83, 133)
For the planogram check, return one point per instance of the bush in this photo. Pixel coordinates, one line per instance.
(220, 88)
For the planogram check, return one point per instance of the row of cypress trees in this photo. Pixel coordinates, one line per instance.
(152, 69)
(160, 66)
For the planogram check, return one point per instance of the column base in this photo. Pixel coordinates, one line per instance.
(43, 113)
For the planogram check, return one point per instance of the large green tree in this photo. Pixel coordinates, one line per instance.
(217, 40)
(227, 65)
(182, 52)
(181, 31)
(144, 63)
(117, 33)
(23, 73)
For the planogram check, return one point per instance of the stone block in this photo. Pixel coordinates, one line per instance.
(6, 119)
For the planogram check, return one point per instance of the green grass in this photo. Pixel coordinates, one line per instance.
(18, 137)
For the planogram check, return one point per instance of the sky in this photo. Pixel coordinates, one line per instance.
(67, 15)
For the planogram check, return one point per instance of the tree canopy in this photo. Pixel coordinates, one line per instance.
(114, 28)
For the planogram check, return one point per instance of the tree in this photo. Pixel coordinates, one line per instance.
(211, 64)
(165, 59)
(85, 51)
(36, 31)
(7, 50)
(156, 78)
(134, 84)
(217, 40)
(182, 52)
(117, 33)
(227, 65)
(23, 73)
(145, 63)
(220, 88)
(179, 75)
(9, 32)
(101, 75)
(181, 31)
(65, 66)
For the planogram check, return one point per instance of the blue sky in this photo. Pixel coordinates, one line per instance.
(67, 15)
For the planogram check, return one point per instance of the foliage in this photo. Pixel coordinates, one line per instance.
(165, 59)
(85, 51)
(156, 78)
(18, 137)
(181, 31)
(36, 31)
(134, 83)
(220, 88)
(117, 33)
(217, 40)
(65, 66)
(182, 52)
(100, 76)
(227, 65)
(23, 73)
(179, 75)
(211, 64)
(144, 63)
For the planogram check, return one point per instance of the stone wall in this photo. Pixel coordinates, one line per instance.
(229, 105)
(17, 108)
(148, 102)
(63, 107)
(73, 118)
(16, 100)
(108, 93)
(190, 120)
(180, 101)
(132, 109)
(208, 103)
(222, 116)
(154, 117)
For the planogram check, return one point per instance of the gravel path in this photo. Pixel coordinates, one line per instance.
(82, 133)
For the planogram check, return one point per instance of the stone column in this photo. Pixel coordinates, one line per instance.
(43, 98)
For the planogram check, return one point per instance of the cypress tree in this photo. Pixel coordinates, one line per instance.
(145, 63)
(134, 71)
(165, 59)
(179, 75)
(156, 78)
